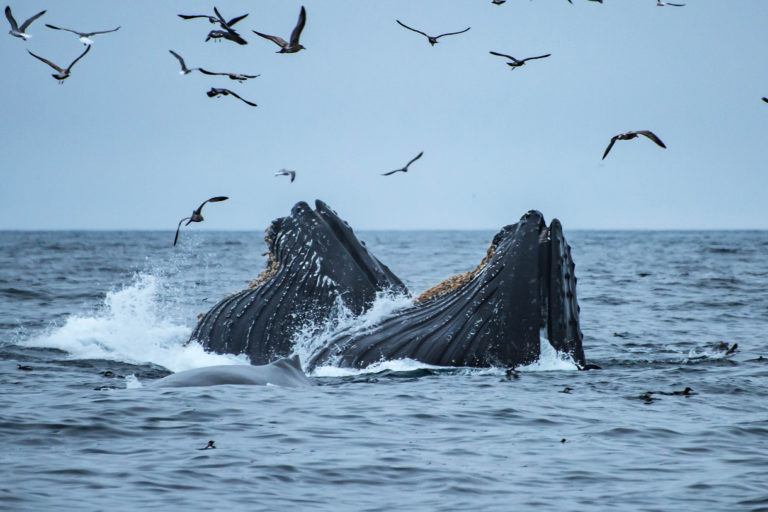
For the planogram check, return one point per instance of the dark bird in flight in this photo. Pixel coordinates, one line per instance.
(226, 34)
(61, 74)
(659, 3)
(765, 99)
(498, 2)
(226, 92)
(404, 169)
(84, 36)
(432, 40)
(232, 76)
(286, 172)
(227, 31)
(632, 135)
(516, 63)
(17, 31)
(197, 215)
(184, 69)
(293, 46)
(215, 19)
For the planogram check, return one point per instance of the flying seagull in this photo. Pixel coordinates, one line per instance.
(659, 3)
(197, 215)
(293, 46)
(226, 92)
(84, 36)
(404, 169)
(215, 19)
(632, 135)
(61, 74)
(184, 69)
(226, 34)
(286, 172)
(432, 40)
(17, 31)
(516, 63)
(232, 76)
(498, 2)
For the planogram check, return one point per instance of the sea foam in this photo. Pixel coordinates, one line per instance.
(131, 326)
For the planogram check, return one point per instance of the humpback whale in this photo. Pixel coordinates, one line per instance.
(284, 372)
(495, 315)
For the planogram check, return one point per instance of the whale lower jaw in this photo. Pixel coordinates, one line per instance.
(494, 318)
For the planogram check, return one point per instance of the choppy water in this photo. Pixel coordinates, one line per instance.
(96, 316)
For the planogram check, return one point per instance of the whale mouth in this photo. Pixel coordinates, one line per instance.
(489, 316)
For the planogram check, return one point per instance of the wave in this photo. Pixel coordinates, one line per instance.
(131, 325)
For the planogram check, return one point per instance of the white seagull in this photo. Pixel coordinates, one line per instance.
(286, 172)
(84, 36)
(17, 31)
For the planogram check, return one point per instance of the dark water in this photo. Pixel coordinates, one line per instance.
(97, 316)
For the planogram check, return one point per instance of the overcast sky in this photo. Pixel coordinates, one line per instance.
(128, 143)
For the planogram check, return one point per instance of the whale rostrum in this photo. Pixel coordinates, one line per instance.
(494, 315)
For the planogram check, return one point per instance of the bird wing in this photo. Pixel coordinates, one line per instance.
(87, 49)
(613, 141)
(11, 20)
(413, 160)
(54, 66)
(236, 19)
(59, 28)
(504, 55)
(413, 29)
(296, 34)
(765, 99)
(211, 200)
(248, 76)
(191, 16)
(279, 41)
(176, 238)
(392, 172)
(539, 57)
(181, 60)
(676, 5)
(102, 32)
(30, 20)
(243, 100)
(651, 136)
(293, 175)
(206, 72)
(452, 33)
(220, 18)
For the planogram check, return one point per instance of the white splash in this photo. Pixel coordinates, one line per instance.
(397, 365)
(131, 382)
(549, 358)
(312, 337)
(129, 327)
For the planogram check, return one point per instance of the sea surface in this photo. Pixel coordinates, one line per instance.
(89, 319)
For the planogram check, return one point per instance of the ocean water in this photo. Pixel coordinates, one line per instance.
(89, 319)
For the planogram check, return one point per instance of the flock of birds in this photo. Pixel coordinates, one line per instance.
(227, 31)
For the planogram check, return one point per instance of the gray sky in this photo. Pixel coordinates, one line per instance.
(128, 143)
